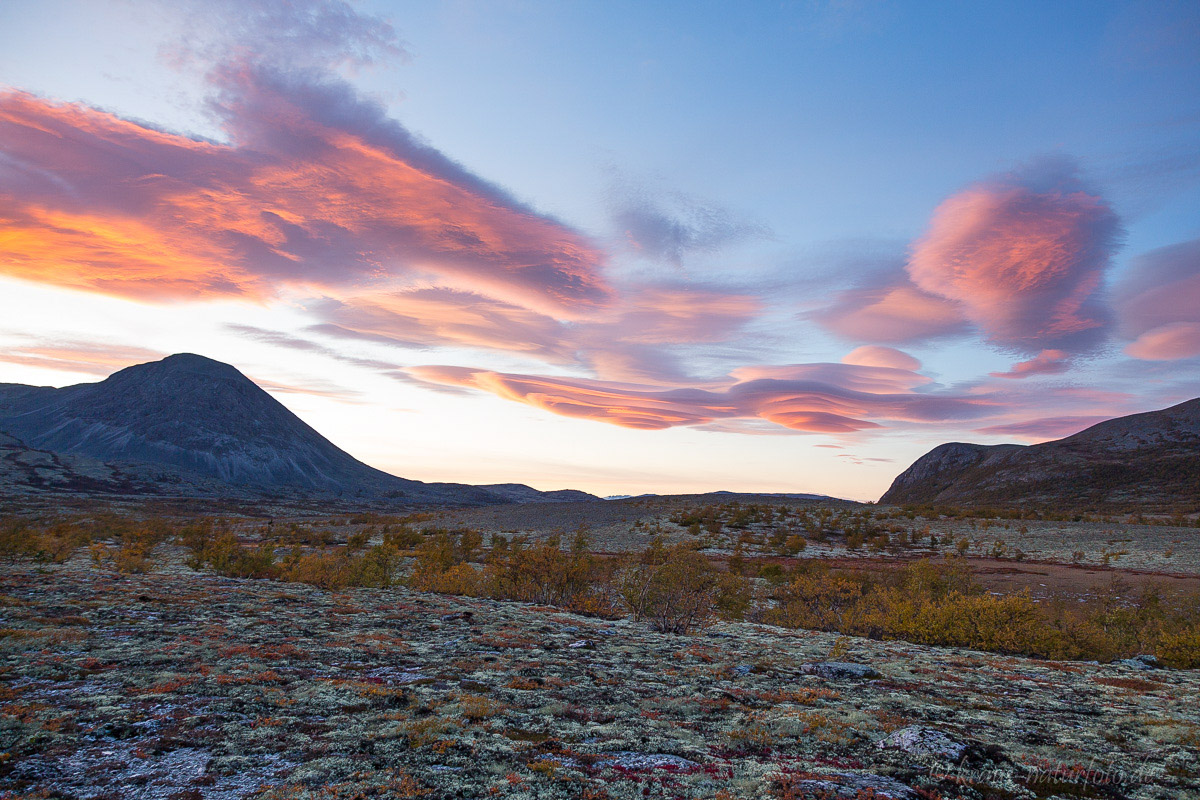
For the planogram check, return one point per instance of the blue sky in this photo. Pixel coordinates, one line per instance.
(787, 246)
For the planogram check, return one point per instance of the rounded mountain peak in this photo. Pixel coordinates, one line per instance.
(182, 364)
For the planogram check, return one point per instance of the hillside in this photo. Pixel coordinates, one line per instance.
(200, 421)
(1147, 461)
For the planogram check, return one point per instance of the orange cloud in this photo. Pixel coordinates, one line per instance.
(92, 358)
(317, 188)
(446, 317)
(814, 398)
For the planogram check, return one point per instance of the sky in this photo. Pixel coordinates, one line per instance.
(622, 247)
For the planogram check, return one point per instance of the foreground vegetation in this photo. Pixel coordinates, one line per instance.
(674, 587)
(183, 685)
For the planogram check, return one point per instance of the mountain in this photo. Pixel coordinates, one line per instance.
(520, 493)
(194, 418)
(1149, 461)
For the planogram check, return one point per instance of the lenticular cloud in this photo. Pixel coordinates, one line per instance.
(316, 188)
(1023, 255)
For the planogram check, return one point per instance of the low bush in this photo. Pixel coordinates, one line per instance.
(940, 604)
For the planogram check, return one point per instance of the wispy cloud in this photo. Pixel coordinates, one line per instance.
(1047, 362)
(669, 226)
(1044, 429)
(91, 357)
(1158, 304)
(886, 307)
(815, 398)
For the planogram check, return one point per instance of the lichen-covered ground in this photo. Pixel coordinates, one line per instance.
(177, 684)
(629, 524)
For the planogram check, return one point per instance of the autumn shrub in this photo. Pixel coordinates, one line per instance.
(544, 572)
(338, 569)
(941, 604)
(58, 542)
(675, 588)
(224, 554)
(15, 536)
(441, 566)
(402, 537)
(1181, 648)
(132, 558)
(137, 542)
(927, 604)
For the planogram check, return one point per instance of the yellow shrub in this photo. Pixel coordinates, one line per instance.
(1181, 649)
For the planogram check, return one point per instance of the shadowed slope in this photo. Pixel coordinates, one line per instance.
(202, 417)
(1149, 460)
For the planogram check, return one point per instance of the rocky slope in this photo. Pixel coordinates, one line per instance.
(199, 420)
(1149, 461)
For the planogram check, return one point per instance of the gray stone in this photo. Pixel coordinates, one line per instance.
(920, 741)
(853, 785)
(638, 761)
(839, 669)
(1142, 662)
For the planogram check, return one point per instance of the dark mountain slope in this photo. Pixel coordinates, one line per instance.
(196, 416)
(1147, 461)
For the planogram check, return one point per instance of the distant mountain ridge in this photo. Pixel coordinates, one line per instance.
(193, 416)
(1149, 460)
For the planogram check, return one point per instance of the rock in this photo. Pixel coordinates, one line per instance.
(638, 761)
(854, 785)
(1143, 662)
(463, 615)
(920, 741)
(839, 669)
(582, 643)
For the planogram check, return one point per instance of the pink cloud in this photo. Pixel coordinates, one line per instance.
(635, 339)
(877, 356)
(893, 311)
(317, 188)
(1023, 256)
(1045, 428)
(815, 398)
(92, 358)
(677, 314)
(446, 317)
(1169, 342)
(1047, 362)
(1158, 303)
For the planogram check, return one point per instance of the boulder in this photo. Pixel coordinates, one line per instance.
(839, 669)
(916, 740)
(850, 785)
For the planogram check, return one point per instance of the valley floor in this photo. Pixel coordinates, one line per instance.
(186, 686)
